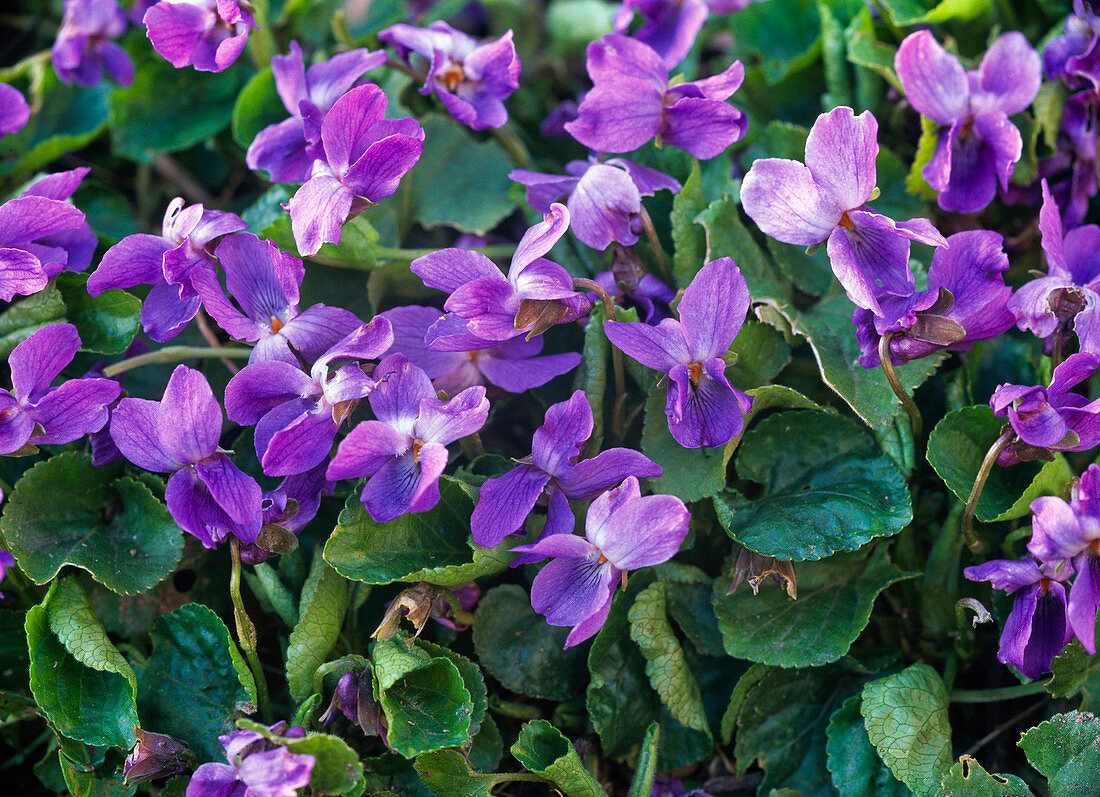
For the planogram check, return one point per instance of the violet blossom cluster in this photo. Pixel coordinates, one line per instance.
(257, 766)
(85, 48)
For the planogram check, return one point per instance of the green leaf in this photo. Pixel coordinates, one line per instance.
(856, 769)
(1066, 750)
(1074, 671)
(457, 182)
(779, 56)
(542, 749)
(827, 488)
(689, 473)
(865, 50)
(906, 719)
(967, 778)
(689, 242)
(90, 705)
(69, 118)
(337, 768)
(14, 661)
(257, 106)
(914, 12)
(769, 397)
(665, 665)
(107, 323)
(591, 375)
(521, 650)
(781, 721)
(812, 273)
(572, 24)
(265, 582)
(837, 82)
(315, 635)
(828, 327)
(425, 699)
(448, 774)
(73, 621)
(471, 677)
(168, 109)
(642, 783)
(915, 183)
(196, 682)
(113, 528)
(433, 546)
(727, 236)
(762, 353)
(835, 597)
(956, 448)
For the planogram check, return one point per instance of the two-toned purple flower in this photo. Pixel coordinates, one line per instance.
(35, 411)
(265, 282)
(167, 261)
(364, 158)
(703, 408)
(514, 365)
(632, 102)
(297, 414)
(537, 293)
(257, 767)
(1073, 55)
(604, 199)
(69, 249)
(206, 34)
(965, 302)
(671, 26)
(826, 198)
(287, 149)
(551, 476)
(472, 80)
(1052, 418)
(85, 47)
(404, 451)
(623, 532)
(209, 497)
(976, 145)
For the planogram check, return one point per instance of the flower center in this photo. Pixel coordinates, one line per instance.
(452, 75)
(276, 325)
(417, 445)
(846, 222)
(695, 370)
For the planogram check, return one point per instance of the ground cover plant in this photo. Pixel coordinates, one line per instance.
(655, 398)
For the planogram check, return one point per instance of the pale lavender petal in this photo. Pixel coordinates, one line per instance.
(14, 110)
(401, 388)
(713, 309)
(545, 189)
(39, 359)
(539, 239)
(290, 78)
(619, 115)
(504, 504)
(74, 409)
(786, 204)
(1009, 75)
(1084, 597)
(644, 532)
(444, 422)
(569, 546)
(329, 80)
(449, 269)
(606, 504)
(410, 325)
(603, 206)
(318, 211)
(134, 431)
(840, 154)
(934, 81)
(175, 30)
(660, 347)
(1056, 532)
(346, 129)
(189, 421)
(587, 479)
(568, 424)
(518, 376)
(705, 128)
(542, 279)
(30, 218)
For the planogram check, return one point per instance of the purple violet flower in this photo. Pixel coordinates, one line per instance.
(825, 200)
(471, 80)
(155, 755)
(550, 476)
(1069, 296)
(206, 34)
(258, 767)
(632, 102)
(265, 282)
(965, 302)
(1037, 628)
(513, 365)
(6, 561)
(365, 157)
(37, 413)
(66, 250)
(629, 285)
(536, 294)
(977, 145)
(166, 262)
(1077, 155)
(291, 505)
(1074, 56)
(207, 494)
(623, 532)
(604, 199)
(296, 414)
(84, 48)
(30, 227)
(404, 452)
(672, 25)
(286, 150)
(703, 408)
(1051, 418)
(1068, 535)
(14, 110)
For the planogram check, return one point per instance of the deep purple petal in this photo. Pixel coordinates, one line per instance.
(366, 448)
(302, 444)
(713, 309)
(74, 409)
(235, 492)
(401, 388)
(1056, 533)
(189, 420)
(587, 479)
(702, 127)
(567, 591)
(449, 269)
(39, 359)
(1084, 597)
(520, 375)
(504, 504)
(164, 314)
(568, 424)
(259, 387)
(706, 411)
(660, 347)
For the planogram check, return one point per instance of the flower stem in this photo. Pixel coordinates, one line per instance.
(175, 354)
(895, 384)
(655, 245)
(979, 483)
(261, 43)
(211, 337)
(617, 365)
(583, 283)
(511, 144)
(393, 254)
(996, 695)
(246, 632)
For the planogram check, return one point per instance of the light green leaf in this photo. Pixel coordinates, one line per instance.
(644, 773)
(1066, 750)
(542, 749)
(72, 619)
(967, 778)
(316, 633)
(906, 719)
(689, 241)
(856, 769)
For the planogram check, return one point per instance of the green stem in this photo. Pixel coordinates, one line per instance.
(979, 484)
(246, 632)
(655, 245)
(341, 665)
(899, 389)
(261, 43)
(510, 142)
(996, 695)
(175, 354)
(395, 254)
